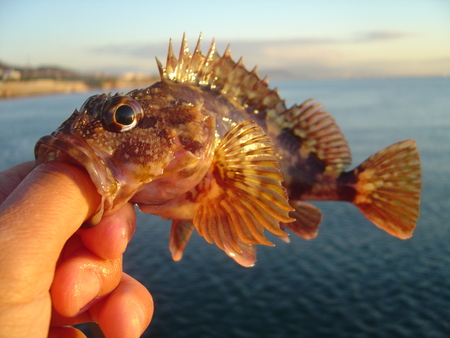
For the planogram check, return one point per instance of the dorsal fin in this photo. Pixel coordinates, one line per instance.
(319, 133)
(231, 79)
(222, 74)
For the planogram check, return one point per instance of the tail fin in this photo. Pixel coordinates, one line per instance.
(388, 188)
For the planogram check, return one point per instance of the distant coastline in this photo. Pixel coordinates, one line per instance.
(13, 89)
(27, 81)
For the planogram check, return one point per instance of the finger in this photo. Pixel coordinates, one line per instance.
(109, 238)
(46, 208)
(52, 194)
(65, 332)
(10, 178)
(127, 312)
(73, 244)
(36, 219)
(82, 279)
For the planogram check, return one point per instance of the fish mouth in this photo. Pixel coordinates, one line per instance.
(78, 152)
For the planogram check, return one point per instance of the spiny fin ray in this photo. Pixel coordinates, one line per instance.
(222, 74)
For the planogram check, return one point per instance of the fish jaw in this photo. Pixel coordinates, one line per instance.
(110, 185)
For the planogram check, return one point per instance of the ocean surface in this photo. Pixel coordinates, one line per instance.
(353, 280)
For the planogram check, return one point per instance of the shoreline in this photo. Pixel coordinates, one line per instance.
(37, 87)
(17, 89)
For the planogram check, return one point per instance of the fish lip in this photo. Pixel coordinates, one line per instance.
(77, 151)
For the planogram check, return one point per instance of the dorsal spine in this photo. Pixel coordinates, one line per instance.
(221, 74)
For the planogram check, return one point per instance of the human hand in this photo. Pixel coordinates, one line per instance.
(53, 274)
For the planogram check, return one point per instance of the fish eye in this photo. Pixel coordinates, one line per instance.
(121, 113)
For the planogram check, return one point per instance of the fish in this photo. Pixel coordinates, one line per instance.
(212, 147)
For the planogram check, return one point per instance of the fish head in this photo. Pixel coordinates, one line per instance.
(133, 145)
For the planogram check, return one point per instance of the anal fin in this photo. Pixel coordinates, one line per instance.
(307, 220)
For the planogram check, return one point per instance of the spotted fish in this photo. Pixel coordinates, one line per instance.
(212, 147)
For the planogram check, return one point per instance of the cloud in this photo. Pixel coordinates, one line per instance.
(382, 36)
(160, 48)
(276, 57)
(130, 50)
(314, 57)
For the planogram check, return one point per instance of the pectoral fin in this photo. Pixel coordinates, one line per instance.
(245, 195)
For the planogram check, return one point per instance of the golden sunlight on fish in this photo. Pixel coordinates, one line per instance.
(212, 147)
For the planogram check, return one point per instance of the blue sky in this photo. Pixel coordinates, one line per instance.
(313, 39)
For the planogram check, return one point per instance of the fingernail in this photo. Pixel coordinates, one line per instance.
(141, 317)
(87, 288)
(131, 228)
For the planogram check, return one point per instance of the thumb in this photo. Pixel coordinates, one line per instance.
(36, 219)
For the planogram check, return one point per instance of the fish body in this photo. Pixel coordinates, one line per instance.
(212, 147)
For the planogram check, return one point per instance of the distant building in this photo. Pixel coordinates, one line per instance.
(10, 74)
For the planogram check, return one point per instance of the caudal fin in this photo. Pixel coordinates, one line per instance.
(388, 188)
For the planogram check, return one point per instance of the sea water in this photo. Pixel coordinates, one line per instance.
(353, 280)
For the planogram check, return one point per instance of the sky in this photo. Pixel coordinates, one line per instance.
(286, 39)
